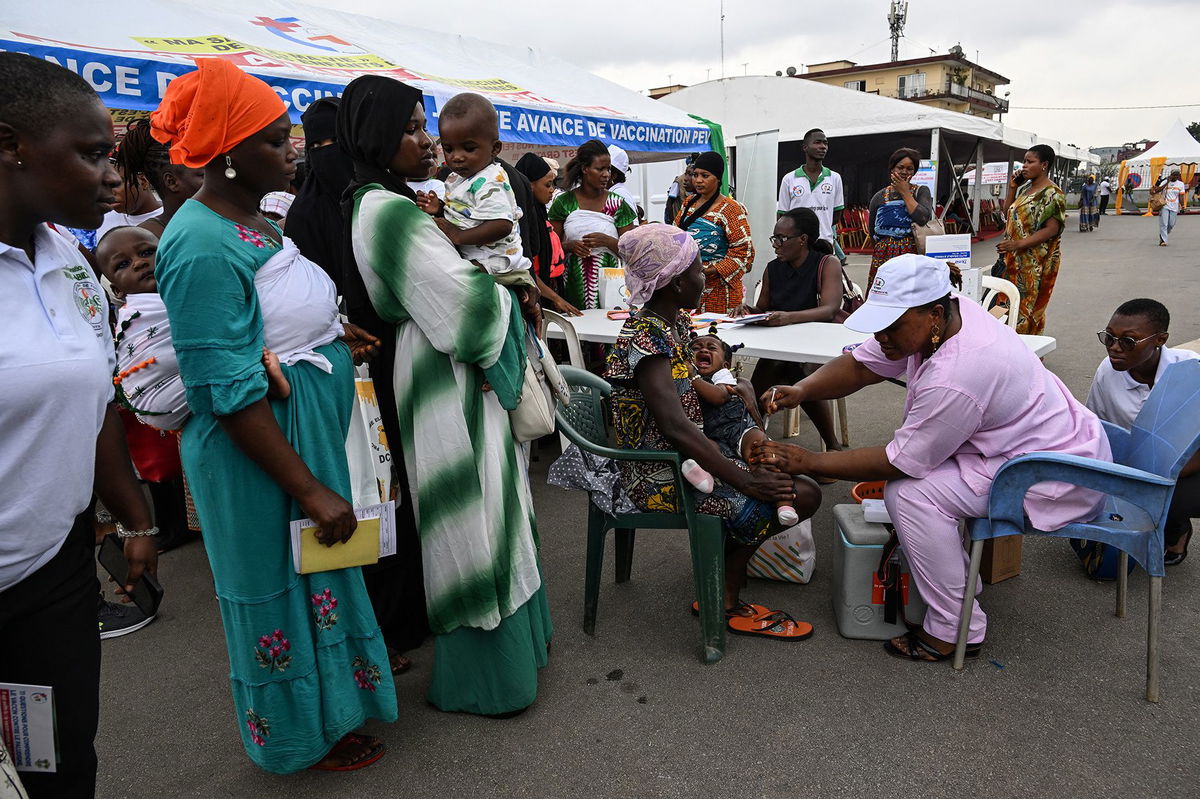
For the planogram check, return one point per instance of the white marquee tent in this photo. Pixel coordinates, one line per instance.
(129, 52)
(864, 128)
(1177, 146)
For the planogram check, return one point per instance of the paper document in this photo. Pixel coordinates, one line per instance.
(27, 725)
(703, 321)
(375, 538)
(875, 511)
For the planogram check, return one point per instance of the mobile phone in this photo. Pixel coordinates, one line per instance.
(1019, 176)
(147, 593)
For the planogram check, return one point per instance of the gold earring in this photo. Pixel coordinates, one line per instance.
(936, 338)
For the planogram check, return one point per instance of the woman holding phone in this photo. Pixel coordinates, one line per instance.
(1037, 210)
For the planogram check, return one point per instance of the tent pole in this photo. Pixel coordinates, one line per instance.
(977, 190)
(955, 189)
(935, 137)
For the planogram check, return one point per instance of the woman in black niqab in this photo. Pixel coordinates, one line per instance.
(315, 219)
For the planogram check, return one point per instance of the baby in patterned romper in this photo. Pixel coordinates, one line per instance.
(480, 210)
(731, 418)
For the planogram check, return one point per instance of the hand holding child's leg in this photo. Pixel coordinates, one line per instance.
(785, 513)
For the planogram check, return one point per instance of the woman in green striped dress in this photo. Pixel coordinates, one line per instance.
(459, 367)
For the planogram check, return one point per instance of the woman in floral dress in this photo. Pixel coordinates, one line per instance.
(308, 664)
(589, 219)
(654, 407)
(1037, 211)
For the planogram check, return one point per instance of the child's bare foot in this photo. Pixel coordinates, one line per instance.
(278, 386)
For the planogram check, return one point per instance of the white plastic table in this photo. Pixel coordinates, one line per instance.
(811, 342)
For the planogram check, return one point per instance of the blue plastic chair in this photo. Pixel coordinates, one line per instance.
(584, 421)
(1139, 484)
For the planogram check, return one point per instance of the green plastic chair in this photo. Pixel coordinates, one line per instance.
(584, 421)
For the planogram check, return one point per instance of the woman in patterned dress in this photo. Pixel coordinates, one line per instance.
(1037, 211)
(654, 407)
(589, 219)
(895, 209)
(722, 230)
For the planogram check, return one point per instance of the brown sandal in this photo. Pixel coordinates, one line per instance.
(375, 750)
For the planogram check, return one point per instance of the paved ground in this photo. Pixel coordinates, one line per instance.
(1054, 707)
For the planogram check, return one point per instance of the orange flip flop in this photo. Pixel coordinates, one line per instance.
(774, 624)
(755, 610)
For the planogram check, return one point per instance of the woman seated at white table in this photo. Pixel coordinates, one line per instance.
(977, 397)
(802, 284)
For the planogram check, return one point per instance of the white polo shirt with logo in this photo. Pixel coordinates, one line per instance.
(1116, 397)
(56, 370)
(823, 195)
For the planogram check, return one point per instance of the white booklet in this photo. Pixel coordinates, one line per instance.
(375, 538)
(875, 511)
(27, 725)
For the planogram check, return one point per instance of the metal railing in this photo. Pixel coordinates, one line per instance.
(974, 95)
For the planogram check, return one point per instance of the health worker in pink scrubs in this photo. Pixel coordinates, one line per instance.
(977, 397)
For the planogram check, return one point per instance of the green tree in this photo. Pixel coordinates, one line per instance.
(1194, 129)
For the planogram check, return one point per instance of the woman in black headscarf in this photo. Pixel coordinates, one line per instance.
(315, 224)
(315, 219)
(550, 261)
(457, 369)
(720, 226)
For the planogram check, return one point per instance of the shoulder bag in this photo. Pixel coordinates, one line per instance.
(1158, 198)
(933, 227)
(541, 388)
(852, 298)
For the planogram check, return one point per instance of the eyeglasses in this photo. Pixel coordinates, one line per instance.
(778, 241)
(1124, 343)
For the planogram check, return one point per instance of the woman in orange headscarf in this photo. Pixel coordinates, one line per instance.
(307, 659)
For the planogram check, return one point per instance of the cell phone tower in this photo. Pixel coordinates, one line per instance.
(896, 18)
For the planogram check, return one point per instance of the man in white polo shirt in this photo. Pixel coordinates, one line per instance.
(1136, 360)
(59, 436)
(817, 187)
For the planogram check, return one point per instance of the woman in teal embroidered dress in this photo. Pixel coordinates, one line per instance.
(308, 663)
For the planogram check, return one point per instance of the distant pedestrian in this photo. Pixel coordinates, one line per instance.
(1171, 192)
(1087, 205)
(1105, 191)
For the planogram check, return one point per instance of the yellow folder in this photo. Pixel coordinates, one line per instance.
(361, 549)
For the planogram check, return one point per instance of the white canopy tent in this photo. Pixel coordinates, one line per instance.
(129, 52)
(1177, 146)
(1176, 149)
(864, 127)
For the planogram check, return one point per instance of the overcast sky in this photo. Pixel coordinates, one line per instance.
(1062, 54)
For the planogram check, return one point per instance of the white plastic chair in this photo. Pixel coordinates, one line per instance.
(574, 351)
(995, 288)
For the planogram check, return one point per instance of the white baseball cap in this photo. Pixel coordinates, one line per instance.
(906, 281)
(618, 158)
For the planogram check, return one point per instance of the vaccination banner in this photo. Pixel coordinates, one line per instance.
(130, 51)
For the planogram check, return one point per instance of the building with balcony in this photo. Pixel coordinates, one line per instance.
(944, 81)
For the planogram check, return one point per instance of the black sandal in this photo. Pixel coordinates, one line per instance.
(737, 610)
(922, 652)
